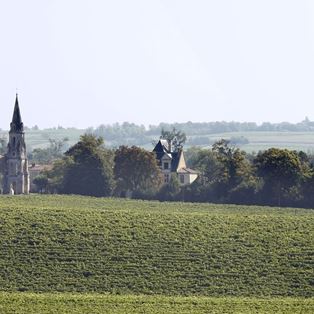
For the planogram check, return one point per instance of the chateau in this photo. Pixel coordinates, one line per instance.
(172, 162)
(15, 164)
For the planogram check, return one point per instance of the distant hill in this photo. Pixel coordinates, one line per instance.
(82, 244)
(247, 135)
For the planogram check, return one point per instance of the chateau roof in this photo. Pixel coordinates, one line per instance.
(16, 124)
(35, 167)
(175, 160)
(162, 148)
(187, 170)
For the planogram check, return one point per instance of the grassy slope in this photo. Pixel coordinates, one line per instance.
(59, 243)
(20, 303)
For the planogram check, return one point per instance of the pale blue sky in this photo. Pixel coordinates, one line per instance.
(83, 63)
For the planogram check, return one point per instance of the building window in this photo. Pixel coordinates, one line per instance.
(167, 178)
(182, 178)
(166, 165)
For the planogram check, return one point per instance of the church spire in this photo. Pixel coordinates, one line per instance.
(16, 124)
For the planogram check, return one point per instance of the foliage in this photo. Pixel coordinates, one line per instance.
(56, 174)
(119, 131)
(20, 303)
(75, 243)
(175, 138)
(272, 177)
(281, 171)
(42, 182)
(90, 172)
(136, 170)
(307, 190)
(170, 191)
(207, 163)
(47, 155)
(236, 182)
(295, 136)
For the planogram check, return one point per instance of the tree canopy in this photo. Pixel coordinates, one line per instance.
(281, 171)
(175, 138)
(89, 168)
(136, 170)
(52, 152)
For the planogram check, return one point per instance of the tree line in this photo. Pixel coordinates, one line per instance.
(277, 177)
(132, 134)
(89, 168)
(198, 132)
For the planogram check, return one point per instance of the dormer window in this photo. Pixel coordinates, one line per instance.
(166, 165)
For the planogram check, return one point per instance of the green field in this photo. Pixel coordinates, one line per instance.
(217, 255)
(59, 243)
(301, 141)
(21, 303)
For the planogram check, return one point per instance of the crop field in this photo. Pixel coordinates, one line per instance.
(83, 244)
(21, 303)
(301, 141)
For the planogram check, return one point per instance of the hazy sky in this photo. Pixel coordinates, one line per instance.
(83, 63)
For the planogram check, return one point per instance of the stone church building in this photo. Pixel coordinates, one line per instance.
(14, 162)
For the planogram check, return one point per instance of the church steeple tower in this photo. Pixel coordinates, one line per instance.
(16, 124)
(16, 177)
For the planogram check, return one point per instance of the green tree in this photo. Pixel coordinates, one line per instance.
(170, 191)
(41, 182)
(282, 172)
(175, 138)
(136, 171)
(237, 182)
(90, 168)
(308, 190)
(206, 162)
(47, 155)
(56, 174)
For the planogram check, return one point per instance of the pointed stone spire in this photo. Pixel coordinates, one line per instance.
(16, 124)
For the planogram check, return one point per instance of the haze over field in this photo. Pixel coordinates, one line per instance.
(83, 63)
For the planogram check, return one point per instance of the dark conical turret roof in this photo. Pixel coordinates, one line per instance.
(16, 124)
